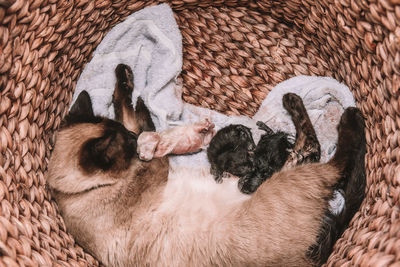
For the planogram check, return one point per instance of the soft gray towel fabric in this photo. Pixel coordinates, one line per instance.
(149, 41)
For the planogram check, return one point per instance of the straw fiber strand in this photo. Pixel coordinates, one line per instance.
(234, 53)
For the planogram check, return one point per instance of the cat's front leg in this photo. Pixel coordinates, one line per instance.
(136, 120)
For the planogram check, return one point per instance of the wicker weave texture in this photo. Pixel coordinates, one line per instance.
(234, 53)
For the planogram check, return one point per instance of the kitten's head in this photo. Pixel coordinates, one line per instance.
(90, 151)
(232, 136)
(231, 150)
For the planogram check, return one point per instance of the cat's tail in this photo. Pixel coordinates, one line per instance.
(350, 159)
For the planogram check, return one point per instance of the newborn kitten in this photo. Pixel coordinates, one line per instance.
(231, 150)
(272, 151)
(270, 155)
(128, 212)
(177, 140)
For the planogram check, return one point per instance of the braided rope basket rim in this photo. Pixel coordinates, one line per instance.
(235, 51)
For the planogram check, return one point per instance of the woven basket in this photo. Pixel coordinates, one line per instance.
(235, 51)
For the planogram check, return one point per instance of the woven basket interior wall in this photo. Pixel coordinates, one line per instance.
(235, 52)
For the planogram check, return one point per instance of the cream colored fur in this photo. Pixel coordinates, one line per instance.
(141, 217)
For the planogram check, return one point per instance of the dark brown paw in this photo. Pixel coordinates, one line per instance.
(292, 103)
(351, 125)
(124, 76)
(352, 117)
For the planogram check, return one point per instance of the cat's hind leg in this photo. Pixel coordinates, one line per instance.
(349, 158)
(306, 148)
(136, 119)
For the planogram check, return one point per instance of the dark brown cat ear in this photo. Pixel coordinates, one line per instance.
(81, 111)
(82, 106)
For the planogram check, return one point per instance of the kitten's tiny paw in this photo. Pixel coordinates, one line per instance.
(205, 126)
(226, 175)
(262, 126)
(218, 179)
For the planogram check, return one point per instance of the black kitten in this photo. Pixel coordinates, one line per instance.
(270, 155)
(231, 150)
(272, 151)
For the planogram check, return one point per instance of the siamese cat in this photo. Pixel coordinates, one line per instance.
(128, 212)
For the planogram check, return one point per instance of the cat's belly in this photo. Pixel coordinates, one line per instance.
(193, 220)
(194, 197)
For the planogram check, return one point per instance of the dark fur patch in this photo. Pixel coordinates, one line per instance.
(112, 151)
(349, 157)
(327, 236)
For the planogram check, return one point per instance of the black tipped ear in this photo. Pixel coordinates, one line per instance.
(82, 106)
(81, 111)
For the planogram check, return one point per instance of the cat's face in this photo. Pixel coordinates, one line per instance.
(87, 146)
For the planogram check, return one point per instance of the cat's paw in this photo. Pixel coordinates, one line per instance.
(124, 76)
(351, 126)
(292, 103)
(352, 118)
